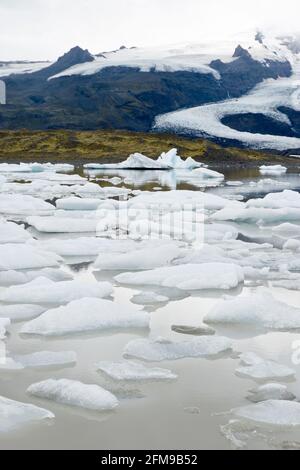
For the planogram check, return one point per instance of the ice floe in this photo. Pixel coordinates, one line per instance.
(147, 258)
(86, 315)
(46, 292)
(188, 276)
(44, 359)
(259, 310)
(165, 350)
(273, 170)
(14, 414)
(20, 256)
(12, 233)
(17, 205)
(20, 312)
(270, 391)
(254, 367)
(74, 393)
(272, 412)
(133, 371)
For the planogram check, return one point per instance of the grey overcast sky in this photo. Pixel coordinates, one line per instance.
(44, 29)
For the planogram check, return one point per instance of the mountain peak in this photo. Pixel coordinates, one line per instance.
(241, 52)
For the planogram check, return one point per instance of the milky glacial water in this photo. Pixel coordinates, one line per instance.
(188, 413)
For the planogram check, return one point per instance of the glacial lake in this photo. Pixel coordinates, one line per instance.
(193, 411)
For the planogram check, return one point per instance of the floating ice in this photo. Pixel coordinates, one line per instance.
(273, 170)
(14, 414)
(76, 203)
(271, 391)
(172, 160)
(73, 393)
(137, 161)
(163, 350)
(188, 276)
(147, 258)
(43, 291)
(257, 368)
(4, 323)
(86, 315)
(63, 225)
(12, 233)
(20, 256)
(13, 278)
(257, 310)
(274, 412)
(46, 359)
(14, 204)
(20, 312)
(133, 371)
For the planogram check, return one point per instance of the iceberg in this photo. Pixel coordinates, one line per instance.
(271, 391)
(15, 204)
(74, 393)
(14, 414)
(272, 170)
(164, 350)
(148, 298)
(254, 367)
(272, 412)
(137, 260)
(46, 292)
(12, 233)
(44, 359)
(188, 277)
(77, 203)
(133, 371)
(20, 312)
(136, 161)
(259, 310)
(63, 224)
(22, 256)
(86, 315)
(172, 160)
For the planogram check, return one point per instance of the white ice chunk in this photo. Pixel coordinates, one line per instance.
(14, 204)
(130, 370)
(12, 233)
(14, 414)
(76, 203)
(163, 350)
(188, 276)
(273, 412)
(20, 312)
(257, 310)
(43, 291)
(63, 224)
(271, 391)
(86, 315)
(147, 258)
(20, 256)
(273, 170)
(46, 359)
(256, 368)
(73, 393)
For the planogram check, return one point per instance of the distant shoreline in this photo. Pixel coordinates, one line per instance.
(112, 146)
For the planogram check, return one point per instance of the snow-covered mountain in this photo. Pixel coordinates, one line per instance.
(243, 90)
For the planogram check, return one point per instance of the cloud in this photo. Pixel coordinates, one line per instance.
(39, 29)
